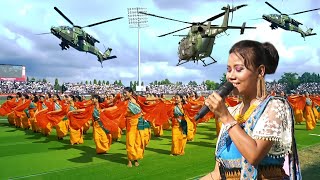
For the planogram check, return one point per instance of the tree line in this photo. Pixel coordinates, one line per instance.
(292, 81)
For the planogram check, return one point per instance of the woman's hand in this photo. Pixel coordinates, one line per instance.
(217, 105)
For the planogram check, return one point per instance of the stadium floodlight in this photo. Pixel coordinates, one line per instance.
(138, 20)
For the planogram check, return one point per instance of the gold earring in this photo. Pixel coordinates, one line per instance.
(261, 88)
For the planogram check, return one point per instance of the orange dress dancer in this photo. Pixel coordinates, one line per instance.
(135, 133)
(101, 135)
(134, 128)
(76, 136)
(58, 117)
(179, 129)
(19, 111)
(31, 113)
(309, 115)
(7, 109)
(298, 103)
(316, 103)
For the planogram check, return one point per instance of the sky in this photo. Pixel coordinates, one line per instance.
(21, 20)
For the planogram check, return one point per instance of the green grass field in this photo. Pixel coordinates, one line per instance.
(28, 155)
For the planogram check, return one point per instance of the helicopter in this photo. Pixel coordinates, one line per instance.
(198, 43)
(285, 22)
(77, 38)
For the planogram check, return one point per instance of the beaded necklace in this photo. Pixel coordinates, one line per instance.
(241, 118)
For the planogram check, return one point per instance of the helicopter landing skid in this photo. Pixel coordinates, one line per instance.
(204, 64)
(179, 63)
(101, 63)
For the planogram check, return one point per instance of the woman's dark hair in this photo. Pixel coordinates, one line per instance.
(49, 95)
(255, 54)
(79, 98)
(35, 99)
(19, 94)
(97, 97)
(181, 97)
(129, 89)
(57, 95)
(72, 97)
(195, 94)
(9, 97)
(26, 96)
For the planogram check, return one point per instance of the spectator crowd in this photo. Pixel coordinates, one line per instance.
(9, 87)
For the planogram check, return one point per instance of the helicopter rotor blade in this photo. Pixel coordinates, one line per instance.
(304, 11)
(180, 35)
(43, 33)
(174, 31)
(273, 7)
(239, 27)
(164, 17)
(65, 17)
(256, 19)
(94, 24)
(222, 14)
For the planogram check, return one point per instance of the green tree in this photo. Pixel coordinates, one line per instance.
(44, 80)
(86, 82)
(56, 84)
(211, 85)
(305, 78)
(27, 78)
(223, 79)
(115, 82)
(131, 84)
(291, 79)
(90, 83)
(103, 82)
(192, 83)
(167, 82)
(314, 77)
(120, 83)
(99, 83)
(33, 79)
(107, 83)
(94, 81)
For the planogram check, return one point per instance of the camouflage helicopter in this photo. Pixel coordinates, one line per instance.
(285, 22)
(77, 38)
(198, 43)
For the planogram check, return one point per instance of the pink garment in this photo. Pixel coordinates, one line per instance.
(286, 165)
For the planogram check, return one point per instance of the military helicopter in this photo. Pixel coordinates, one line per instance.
(198, 43)
(77, 38)
(285, 22)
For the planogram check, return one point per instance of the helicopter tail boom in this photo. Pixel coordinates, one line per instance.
(309, 32)
(106, 54)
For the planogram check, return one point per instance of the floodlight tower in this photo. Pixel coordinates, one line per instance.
(138, 20)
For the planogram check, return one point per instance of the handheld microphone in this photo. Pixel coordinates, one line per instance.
(223, 91)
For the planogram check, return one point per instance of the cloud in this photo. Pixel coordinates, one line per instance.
(187, 5)
(26, 8)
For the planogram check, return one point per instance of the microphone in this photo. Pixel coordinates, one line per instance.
(223, 91)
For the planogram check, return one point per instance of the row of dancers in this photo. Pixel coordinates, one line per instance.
(137, 115)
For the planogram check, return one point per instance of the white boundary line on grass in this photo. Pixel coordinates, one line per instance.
(197, 177)
(314, 134)
(54, 171)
